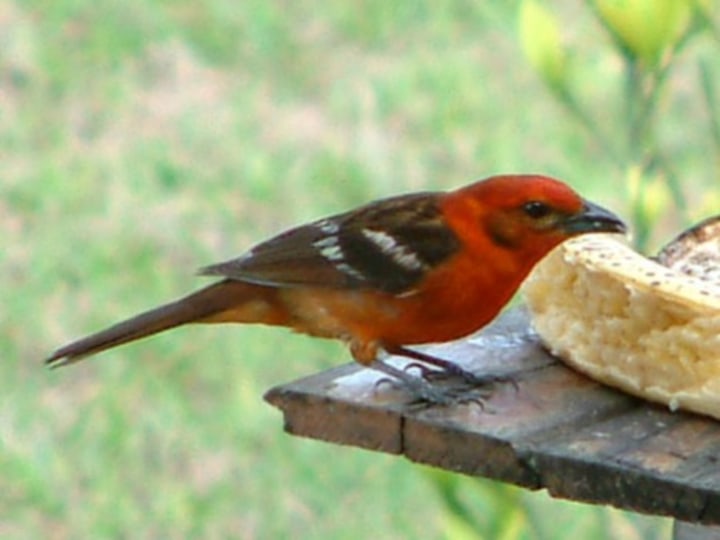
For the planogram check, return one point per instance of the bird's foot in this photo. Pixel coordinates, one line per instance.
(448, 370)
(426, 392)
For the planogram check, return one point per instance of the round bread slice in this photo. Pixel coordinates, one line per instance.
(632, 323)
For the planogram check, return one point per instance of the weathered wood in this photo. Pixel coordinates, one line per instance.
(693, 531)
(557, 430)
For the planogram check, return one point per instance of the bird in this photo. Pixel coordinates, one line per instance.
(407, 270)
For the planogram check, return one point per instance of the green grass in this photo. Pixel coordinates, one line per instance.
(141, 140)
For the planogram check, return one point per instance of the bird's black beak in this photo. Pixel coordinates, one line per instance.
(593, 218)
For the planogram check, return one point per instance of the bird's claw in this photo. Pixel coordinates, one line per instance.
(444, 397)
(456, 372)
(390, 381)
(445, 370)
(439, 386)
(425, 372)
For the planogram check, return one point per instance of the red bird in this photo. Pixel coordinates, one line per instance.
(417, 268)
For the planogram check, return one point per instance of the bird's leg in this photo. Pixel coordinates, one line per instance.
(368, 354)
(447, 368)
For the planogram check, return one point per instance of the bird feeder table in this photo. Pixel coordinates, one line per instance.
(552, 429)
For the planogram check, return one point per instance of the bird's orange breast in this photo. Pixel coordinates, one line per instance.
(451, 303)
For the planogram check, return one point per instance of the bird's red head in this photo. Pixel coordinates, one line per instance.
(526, 214)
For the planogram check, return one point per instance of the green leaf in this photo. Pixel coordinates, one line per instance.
(542, 44)
(646, 29)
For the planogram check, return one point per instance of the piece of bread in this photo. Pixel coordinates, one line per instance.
(632, 323)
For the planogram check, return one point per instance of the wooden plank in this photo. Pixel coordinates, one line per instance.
(556, 430)
(310, 411)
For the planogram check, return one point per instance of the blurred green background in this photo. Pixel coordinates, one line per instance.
(140, 140)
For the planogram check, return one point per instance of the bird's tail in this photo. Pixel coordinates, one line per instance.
(220, 302)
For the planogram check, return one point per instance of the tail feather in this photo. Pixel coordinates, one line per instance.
(206, 303)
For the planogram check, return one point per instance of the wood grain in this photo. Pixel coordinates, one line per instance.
(554, 430)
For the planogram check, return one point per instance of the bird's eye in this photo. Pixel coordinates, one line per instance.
(536, 209)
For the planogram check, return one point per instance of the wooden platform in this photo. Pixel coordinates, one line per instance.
(557, 430)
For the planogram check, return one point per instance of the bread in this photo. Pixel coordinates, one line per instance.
(632, 323)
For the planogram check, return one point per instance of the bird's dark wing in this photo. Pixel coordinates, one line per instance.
(387, 245)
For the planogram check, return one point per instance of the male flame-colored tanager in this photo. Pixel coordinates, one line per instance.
(417, 268)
